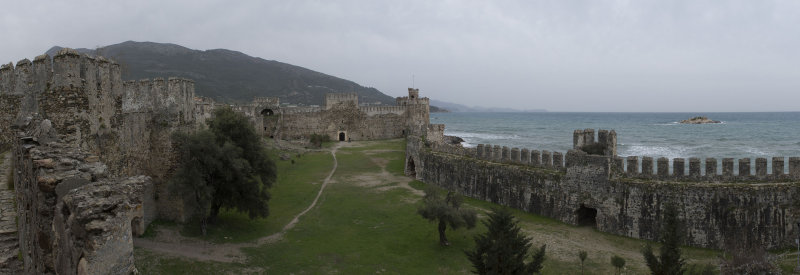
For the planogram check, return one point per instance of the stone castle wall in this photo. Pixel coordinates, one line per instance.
(127, 124)
(340, 117)
(335, 99)
(754, 209)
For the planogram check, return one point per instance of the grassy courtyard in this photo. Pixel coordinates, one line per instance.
(366, 223)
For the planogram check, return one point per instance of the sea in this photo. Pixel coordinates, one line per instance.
(740, 135)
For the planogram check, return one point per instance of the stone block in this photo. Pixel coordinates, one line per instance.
(633, 165)
(679, 167)
(663, 167)
(727, 167)
(744, 167)
(694, 167)
(497, 153)
(515, 155)
(647, 166)
(794, 167)
(711, 167)
(480, 151)
(525, 156)
(505, 157)
(558, 160)
(761, 167)
(536, 158)
(777, 166)
(577, 139)
(588, 136)
(547, 159)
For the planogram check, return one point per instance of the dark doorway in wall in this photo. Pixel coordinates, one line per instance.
(136, 224)
(412, 170)
(267, 112)
(587, 216)
(341, 136)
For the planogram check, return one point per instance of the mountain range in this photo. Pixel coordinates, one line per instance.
(234, 77)
(230, 76)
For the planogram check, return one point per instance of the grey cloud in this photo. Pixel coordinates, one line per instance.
(558, 55)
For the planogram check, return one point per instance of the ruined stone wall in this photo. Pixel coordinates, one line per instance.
(760, 210)
(95, 224)
(128, 125)
(47, 175)
(151, 112)
(333, 100)
(343, 118)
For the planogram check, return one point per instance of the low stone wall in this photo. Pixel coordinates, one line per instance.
(587, 192)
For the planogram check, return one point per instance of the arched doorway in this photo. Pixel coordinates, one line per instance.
(411, 169)
(341, 136)
(587, 216)
(267, 112)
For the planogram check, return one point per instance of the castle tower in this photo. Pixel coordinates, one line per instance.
(417, 111)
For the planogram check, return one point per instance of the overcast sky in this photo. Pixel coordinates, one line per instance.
(556, 55)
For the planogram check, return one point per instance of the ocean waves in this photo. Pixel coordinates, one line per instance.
(744, 135)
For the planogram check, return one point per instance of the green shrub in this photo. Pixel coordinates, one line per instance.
(317, 140)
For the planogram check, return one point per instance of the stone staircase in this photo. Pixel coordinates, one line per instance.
(9, 243)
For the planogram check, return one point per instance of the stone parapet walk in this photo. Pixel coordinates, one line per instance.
(9, 242)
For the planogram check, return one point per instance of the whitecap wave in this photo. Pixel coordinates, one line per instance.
(653, 151)
(486, 136)
(756, 151)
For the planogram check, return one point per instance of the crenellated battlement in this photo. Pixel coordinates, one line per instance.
(759, 200)
(502, 154)
(382, 110)
(337, 99)
(607, 140)
(775, 169)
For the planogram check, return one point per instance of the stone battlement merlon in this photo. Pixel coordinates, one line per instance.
(586, 137)
(503, 154)
(710, 170)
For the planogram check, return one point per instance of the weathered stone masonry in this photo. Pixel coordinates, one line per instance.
(755, 208)
(85, 133)
(341, 118)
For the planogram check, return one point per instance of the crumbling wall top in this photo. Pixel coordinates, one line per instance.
(67, 52)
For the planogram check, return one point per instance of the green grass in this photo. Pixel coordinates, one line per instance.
(356, 229)
(152, 228)
(295, 187)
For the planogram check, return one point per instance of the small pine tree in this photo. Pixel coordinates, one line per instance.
(504, 249)
(670, 261)
(582, 255)
(446, 209)
(618, 262)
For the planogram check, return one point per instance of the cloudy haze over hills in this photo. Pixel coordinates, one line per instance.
(554, 55)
